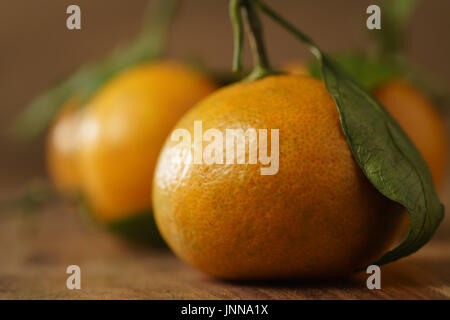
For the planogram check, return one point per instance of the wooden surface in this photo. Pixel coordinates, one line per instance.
(35, 251)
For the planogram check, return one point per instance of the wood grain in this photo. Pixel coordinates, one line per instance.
(36, 249)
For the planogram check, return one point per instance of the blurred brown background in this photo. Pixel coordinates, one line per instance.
(36, 49)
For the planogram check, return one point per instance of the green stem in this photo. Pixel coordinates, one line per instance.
(289, 27)
(151, 42)
(261, 62)
(238, 34)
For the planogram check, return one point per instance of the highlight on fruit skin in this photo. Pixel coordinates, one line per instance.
(317, 217)
(62, 148)
(123, 129)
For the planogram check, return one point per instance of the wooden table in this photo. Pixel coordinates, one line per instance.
(36, 249)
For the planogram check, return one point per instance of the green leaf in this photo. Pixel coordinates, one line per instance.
(387, 157)
(381, 148)
(81, 85)
(372, 72)
(369, 71)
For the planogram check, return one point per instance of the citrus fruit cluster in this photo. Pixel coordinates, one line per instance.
(107, 149)
(323, 214)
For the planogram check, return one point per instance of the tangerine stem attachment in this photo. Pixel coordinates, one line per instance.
(289, 27)
(238, 34)
(261, 61)
(262, 66)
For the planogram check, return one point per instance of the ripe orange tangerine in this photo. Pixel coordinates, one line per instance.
(317, 217)
(123, 129)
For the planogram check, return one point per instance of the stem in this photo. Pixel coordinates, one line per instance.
(289, 27)
(238, 35)
(157, 25)
(261, 61)
(151, 42)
